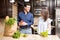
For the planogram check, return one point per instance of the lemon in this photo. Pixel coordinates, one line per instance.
(44, 34)
(7, 18)
(23, 35)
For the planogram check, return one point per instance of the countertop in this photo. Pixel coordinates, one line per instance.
(33, 37)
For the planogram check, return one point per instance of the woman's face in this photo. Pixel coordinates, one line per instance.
(45, 14)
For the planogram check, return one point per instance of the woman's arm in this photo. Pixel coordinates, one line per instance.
(49, 26)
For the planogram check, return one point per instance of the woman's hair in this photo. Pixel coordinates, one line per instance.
(45, 14)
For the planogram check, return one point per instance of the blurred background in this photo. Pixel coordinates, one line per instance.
(11, 8)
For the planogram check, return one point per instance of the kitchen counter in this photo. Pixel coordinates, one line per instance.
(38, 37)
(33, 37)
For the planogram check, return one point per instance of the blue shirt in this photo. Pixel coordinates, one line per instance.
(28, 18)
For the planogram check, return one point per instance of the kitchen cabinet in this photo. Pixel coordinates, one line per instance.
(5, 8)
(57, 21)
(37, 6)
(57, 3)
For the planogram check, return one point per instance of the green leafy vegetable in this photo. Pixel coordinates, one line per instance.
(16, 34)
(11, 21)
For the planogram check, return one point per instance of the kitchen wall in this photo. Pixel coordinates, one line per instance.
(2, 25)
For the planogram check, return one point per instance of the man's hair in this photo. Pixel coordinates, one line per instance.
(25, 4)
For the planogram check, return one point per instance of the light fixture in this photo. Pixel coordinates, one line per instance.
(12, 1)
(42, 0)
(26, 0)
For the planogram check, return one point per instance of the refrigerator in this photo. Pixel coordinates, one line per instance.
(57, 21)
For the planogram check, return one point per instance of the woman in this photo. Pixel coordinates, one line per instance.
(44, 22)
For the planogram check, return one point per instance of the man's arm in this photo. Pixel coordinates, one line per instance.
(21, 22)
(19, 19)
(31, 20)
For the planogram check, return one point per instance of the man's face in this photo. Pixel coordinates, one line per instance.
(27, 8)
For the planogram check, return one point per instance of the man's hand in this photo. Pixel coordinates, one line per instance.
(22, 23)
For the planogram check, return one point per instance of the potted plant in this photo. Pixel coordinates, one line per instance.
(10, 26)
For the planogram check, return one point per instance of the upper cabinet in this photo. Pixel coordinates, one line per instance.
(5, 8)
(57, 3)
(37, 5)
(2, 8)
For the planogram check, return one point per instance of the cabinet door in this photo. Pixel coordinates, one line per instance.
(5, 8)
(2, 8)
(8, 8)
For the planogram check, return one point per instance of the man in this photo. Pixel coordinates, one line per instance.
(25, 20)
